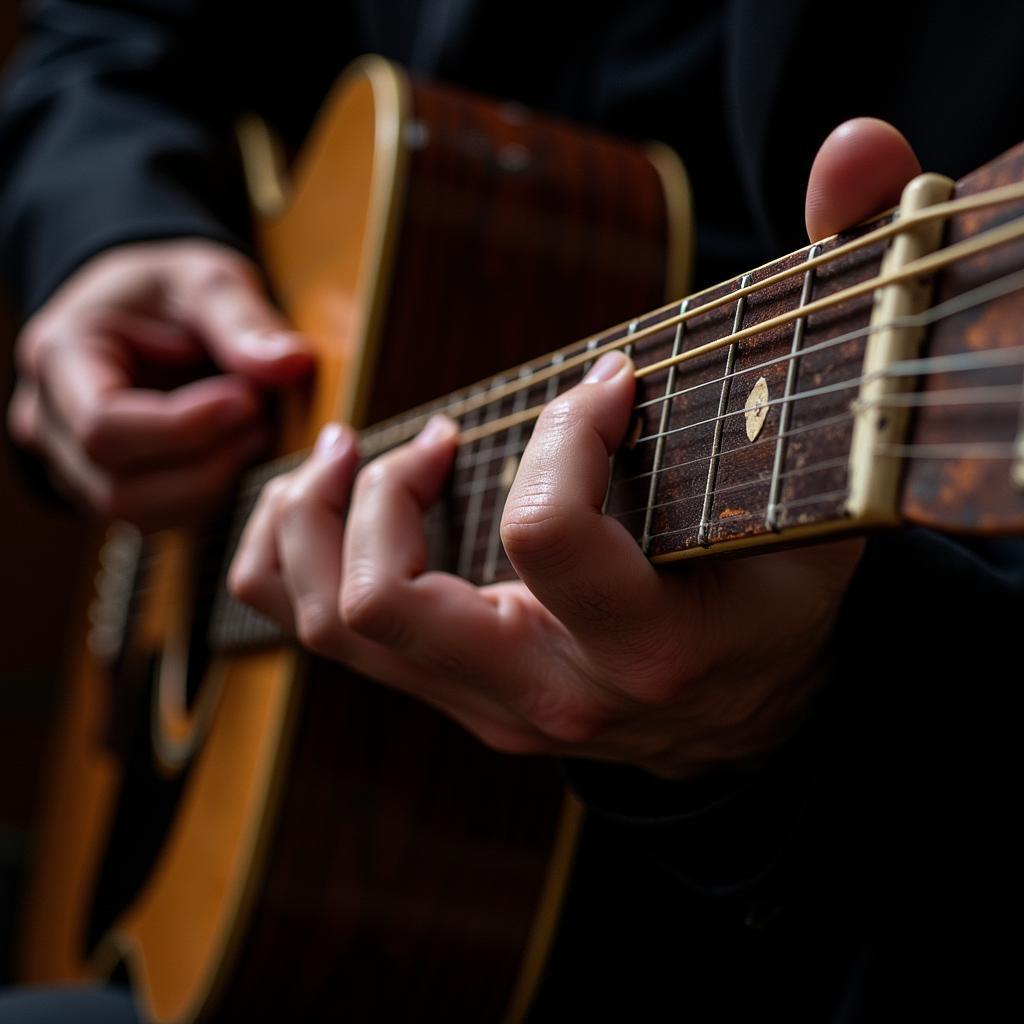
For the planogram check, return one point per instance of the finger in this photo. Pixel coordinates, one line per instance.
(426, 635)
(441, 624)
(158, 499)
(384, 544)
(155, 339)
(860, 170)
(23, 418)
(309, 539)
(254, 576)
(582, 565)
(243, 330)
(87, 388)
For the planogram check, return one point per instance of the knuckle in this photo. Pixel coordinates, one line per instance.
(30, 343)
(316, 623)
(373, 476)
(366, 607)
(110, 502)
(274, 490)
(21, 423)
(565, 718)
(211, 273)
(446, 663)
(292, 500)
(93, 436)
(534, 528)
(243, 582)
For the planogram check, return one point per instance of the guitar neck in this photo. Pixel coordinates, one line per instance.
(777, 407)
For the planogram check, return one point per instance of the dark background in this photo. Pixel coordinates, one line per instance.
(41, 568)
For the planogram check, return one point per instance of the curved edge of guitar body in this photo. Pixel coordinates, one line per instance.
(179, 939)
(311, 867)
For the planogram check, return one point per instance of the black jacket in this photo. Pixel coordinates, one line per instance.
(861, 873)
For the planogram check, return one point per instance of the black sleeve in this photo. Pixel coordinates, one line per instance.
(915, 745)
(116, 127)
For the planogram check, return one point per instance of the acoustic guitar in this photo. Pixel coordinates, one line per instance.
(244, 831)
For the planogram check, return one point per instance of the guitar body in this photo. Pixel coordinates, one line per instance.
(257, 834)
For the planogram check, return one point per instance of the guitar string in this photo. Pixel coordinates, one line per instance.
(922, 267)
(997, 288)
(484, 393)
(990, 394)
(828, 421)
(980, 450)
(977, 296)
(1011, 282)
(759, 514)
(957, 363)
(926, 265)
(895, 370)
(976, 450)
(743, 485)
(699, 496)
(405, 427)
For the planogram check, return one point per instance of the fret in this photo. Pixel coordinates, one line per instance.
(663, 421)
(820, 429)
(628, 350)
(475, 457)
(510, 452)
(771, 518)
(633, 471)
(723, 402)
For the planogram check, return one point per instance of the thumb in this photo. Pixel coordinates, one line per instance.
(860, 170)
(244, 332)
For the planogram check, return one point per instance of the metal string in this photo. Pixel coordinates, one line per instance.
(376, 438)
(921, 267)
(987, 292)
(485, 392)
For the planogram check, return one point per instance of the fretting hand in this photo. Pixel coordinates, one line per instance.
(594, 652)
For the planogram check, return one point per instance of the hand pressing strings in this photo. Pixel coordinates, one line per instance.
(592, 652)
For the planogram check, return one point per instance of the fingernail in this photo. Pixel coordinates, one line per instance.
(271, 344)
(605, 368)
(438, 428)
(331, 437)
